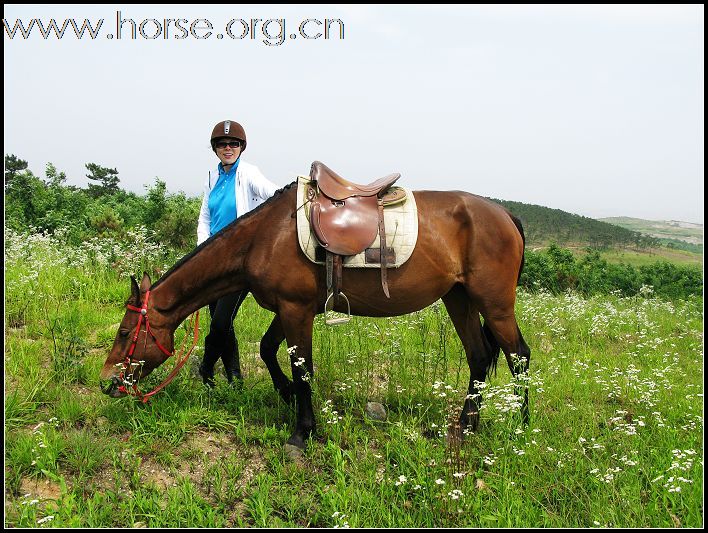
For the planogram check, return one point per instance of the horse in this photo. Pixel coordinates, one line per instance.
(469, 253)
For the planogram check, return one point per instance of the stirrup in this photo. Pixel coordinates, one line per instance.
(340, 320)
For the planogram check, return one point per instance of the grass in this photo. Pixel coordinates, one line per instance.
(615, 439)
(637, 258)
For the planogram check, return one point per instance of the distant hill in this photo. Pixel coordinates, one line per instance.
(664, 230)
(543, 225)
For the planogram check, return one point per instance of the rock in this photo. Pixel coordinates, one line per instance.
(295, 454)
(480, 485)
(375, 411)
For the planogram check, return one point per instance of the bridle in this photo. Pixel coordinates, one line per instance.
(130, 361)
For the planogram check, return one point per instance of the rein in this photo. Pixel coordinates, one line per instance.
(180, 360)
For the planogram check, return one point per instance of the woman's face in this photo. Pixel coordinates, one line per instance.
(228, 150)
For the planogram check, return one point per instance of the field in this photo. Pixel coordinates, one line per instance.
(633, 256)
(646, 257)
(615, 439)
(682, 231)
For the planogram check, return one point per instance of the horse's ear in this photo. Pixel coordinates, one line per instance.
(145, 284)
(135, 290)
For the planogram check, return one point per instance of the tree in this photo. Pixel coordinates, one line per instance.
(107, 177)
(26, 199)
(13, 165)
(54, 178)
(156, 202)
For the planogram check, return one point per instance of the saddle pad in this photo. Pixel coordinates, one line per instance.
(401, 222)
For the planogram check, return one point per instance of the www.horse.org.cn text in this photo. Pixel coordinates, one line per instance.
(271, 31)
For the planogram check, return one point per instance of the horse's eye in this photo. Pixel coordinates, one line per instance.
(124, 332)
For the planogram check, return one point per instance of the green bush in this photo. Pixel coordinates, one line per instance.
(672, 281)
(48, 206)
(556, 270)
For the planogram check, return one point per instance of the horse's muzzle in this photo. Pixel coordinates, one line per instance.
(111, 387)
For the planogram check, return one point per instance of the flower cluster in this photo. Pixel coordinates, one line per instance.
(341, 519)
(330, 415)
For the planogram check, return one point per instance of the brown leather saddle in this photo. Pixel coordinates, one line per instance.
(346, 217)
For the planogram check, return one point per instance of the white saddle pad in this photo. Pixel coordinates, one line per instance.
(401, 223)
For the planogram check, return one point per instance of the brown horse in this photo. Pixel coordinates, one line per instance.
(469, 252)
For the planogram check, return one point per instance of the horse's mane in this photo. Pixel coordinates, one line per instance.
(223, 232)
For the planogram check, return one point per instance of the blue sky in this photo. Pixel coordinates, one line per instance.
(596, 110)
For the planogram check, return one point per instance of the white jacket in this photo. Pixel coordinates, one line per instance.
(252, 188)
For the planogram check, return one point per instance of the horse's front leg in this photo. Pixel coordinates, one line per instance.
(269, 353)
(297, 321)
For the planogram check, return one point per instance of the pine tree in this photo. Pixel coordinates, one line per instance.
(13, 165)
(107, 177)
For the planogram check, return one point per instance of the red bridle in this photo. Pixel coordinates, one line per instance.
(129, 358)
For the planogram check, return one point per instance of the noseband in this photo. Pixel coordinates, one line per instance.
(128, 380)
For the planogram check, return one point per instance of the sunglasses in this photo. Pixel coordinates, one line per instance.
(230, 144)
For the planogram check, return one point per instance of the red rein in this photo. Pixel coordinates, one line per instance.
(180, 360)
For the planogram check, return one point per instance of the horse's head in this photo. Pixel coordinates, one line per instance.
(141, 345)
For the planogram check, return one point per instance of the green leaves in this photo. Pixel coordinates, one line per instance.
(557, 270)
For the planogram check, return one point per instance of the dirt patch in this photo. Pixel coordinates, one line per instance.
(43, 490)
(200, 451)
(155, 474)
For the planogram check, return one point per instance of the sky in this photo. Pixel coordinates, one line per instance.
(595, 110)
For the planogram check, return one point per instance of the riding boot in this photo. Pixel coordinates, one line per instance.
(212, 352)
(231, 360)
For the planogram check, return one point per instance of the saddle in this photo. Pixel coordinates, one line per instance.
(346, 217)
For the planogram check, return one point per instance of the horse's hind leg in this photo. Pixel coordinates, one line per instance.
(518, 354)
(465, 317)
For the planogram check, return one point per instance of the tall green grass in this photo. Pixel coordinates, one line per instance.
(615, 439)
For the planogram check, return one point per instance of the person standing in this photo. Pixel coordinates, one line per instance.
(231, 190)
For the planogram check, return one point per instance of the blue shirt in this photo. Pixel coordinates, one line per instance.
(222, 199)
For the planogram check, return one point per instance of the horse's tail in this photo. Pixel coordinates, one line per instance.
(519, 227)
(493, 349)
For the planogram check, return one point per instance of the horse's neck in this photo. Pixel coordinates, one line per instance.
(214, 271)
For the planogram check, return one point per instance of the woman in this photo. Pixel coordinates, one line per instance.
(234, 188)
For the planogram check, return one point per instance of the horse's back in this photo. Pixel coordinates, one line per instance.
(461, 211)
(480, 237)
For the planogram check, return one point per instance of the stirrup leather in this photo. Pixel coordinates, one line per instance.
(334, 285)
